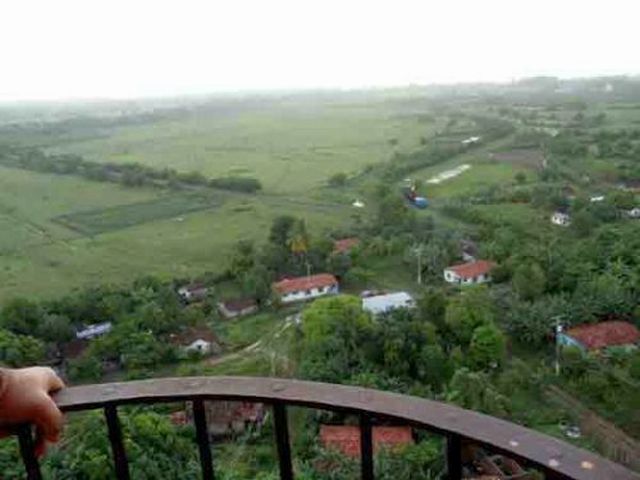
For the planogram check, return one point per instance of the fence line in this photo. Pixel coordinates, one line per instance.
(609, 439)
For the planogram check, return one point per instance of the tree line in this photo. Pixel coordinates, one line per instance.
(127, 174)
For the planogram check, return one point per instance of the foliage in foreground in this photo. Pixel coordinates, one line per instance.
(155, 447)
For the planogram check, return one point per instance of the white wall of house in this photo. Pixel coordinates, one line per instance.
(301, 295)
(561, 219)
(188, 294)
(199, 345)
(452, 277)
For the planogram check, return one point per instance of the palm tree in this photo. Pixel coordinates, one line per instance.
(299, 243)
(299, 239)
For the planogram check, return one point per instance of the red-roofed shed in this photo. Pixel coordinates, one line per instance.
(346, 438)
(604, 334)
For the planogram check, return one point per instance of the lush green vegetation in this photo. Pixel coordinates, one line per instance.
(273, 187)
(95, 222)
(128, 174)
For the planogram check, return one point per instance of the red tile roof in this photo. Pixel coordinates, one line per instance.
(239, 304)
(289, 285)
(347, 438)
(605, 334)
(472, 269)
(345, 244)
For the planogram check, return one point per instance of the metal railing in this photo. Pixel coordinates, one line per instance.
(556, 459)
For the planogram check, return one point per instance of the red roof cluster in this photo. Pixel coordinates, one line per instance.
(472, 269)
(346, 438)
(345, 245)
(605, 334)
(289, 285)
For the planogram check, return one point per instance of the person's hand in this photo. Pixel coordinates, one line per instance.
(24, 398)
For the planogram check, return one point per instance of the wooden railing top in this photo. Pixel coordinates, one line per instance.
(555, 457)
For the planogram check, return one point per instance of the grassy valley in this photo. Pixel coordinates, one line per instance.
(106, 212)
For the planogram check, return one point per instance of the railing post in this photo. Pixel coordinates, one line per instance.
(282, 441)
(27, 450)
(454, 457)
(366, 447)
(202, 436)
(117, 447)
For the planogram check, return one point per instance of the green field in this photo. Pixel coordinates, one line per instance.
(101, 220)
(289, 147)
(59, 233)
(30, 201)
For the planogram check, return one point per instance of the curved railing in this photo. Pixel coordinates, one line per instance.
(556, 459)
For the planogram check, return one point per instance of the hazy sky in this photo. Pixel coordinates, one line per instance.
(52, 49)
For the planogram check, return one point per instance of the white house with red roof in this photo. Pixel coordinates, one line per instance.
(196, 339)
(469, 273)
(306, 288)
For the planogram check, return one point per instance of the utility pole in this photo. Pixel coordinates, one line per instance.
(558, 331)
(418, 251)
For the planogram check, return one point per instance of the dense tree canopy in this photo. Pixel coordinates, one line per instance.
(469, 310)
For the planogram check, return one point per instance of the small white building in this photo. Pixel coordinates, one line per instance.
(193, 292)
(597, 199)
(196, 339)
(561, 218)
(95, 330)
(634, 212)
(470, 140)
(469, 273)
(379, 304)
(306, 288)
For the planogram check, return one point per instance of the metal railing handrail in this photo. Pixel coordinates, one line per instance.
(557, 459)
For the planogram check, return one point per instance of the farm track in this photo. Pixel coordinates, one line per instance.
(264, 345)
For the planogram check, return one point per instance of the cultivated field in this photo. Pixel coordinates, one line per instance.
(61, 233)
(289, 147)
(107, 219)
(58, 233)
